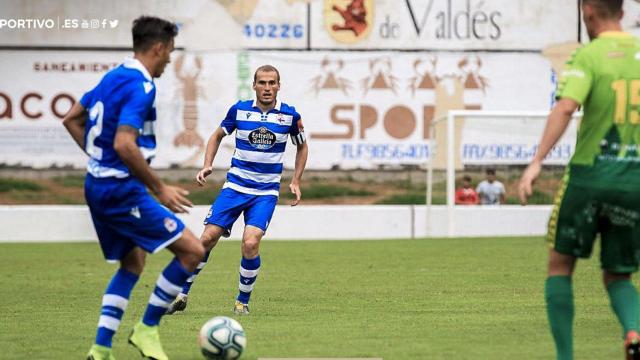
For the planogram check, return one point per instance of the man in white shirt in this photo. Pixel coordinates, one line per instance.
(491, 191)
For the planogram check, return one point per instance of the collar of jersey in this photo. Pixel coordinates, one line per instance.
(614, 34)
(277, 107)
(133, 63)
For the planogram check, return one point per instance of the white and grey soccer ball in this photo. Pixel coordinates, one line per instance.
(222, 338)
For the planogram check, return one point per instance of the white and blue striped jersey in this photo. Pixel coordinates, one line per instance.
(261, 138)
(125, 96)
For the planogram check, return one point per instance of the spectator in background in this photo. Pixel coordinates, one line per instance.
(466, 195)
(491, 191)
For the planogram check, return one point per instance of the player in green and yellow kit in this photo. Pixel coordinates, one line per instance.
(601, 190)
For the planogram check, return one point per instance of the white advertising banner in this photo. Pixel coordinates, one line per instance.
(510, 140)
(282, 24)
(204, 24)
(360, 110)
(443, 24)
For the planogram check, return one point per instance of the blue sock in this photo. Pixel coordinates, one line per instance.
(169, 284)
(248, 273)
(187, 285)
(114, 303)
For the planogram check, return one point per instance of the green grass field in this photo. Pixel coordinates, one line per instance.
(421, 299)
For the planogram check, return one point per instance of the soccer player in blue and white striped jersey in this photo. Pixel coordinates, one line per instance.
(114, 124)
(262, 128)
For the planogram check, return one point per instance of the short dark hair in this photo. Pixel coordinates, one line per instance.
(491, 171)
(466, 178)
(607, 9)
(266, 68)
(148, 30)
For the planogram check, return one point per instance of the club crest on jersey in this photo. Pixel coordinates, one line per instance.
(170, 224)
(280, 118)
(262, 138)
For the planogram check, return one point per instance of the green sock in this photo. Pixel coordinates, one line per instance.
(559, 296)
(624, 301)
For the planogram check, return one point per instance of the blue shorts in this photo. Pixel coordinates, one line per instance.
(258, 209)
(126, 216)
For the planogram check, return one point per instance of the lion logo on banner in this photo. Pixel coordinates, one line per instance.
(348, 21)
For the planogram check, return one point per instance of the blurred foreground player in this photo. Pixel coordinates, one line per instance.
(114, 124)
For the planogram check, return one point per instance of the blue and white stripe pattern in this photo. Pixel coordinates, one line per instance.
(187, 286)
(249, 269)
(261, 140)
(168, 286)
(114, 304)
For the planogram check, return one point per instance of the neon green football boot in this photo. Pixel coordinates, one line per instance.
(147, 340)
(99, 352)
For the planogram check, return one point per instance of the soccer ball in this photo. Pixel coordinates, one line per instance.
(222, 338)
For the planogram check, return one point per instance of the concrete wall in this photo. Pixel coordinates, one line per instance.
(333, 222)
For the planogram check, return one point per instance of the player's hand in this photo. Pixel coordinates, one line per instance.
(295, 189)
(202, 174)
(525, 187)
(174, 198)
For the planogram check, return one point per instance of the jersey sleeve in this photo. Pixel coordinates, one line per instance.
(228, 124)
(137, 105)
(576, 78)
(297, 130)
(87, 99)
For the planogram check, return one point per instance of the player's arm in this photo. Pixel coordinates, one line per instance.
(74, 122)
(557, 123)
(574, 88)
(130, 124)
(302, 152)
(129, 152)
(227, 126)
(210, 154)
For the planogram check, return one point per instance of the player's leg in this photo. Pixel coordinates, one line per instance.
(115, 247)
(115, 301)
(249, 267)
(618, 258)
(572, 230)
(559, 298)
(623, 296)
(223, 213)
(153, 227)
(257, 217)
(209, 239)
(188, 253)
